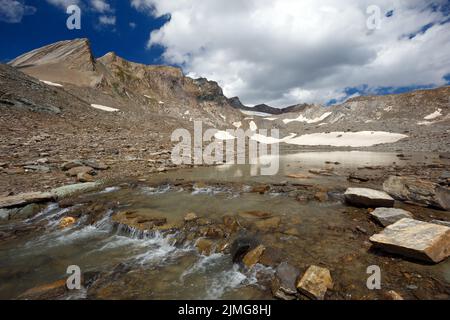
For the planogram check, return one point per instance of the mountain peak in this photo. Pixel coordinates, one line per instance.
(74, 54)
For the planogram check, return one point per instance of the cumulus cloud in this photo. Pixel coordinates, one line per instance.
(100, 6)
(63, 4)
(283, 52)
(107, 20)
(12, 11)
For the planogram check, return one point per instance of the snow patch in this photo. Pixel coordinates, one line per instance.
(237, 124)
(347, 139)
(53, 84)
(434, 115)
(270, 119)
(253, 126)
(301, 118)
(255, 113)
(104, 108)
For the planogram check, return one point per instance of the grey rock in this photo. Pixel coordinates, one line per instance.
(418, 191)
(387, 216)
(4, 214)
(25, 198)
(284, 284)
(26, 212)
(43, 169)
(364, 197)
(72, 189)
(72, 164)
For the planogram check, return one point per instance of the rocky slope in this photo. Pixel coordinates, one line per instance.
(159, 89)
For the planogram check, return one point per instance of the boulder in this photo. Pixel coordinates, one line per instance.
(80, 170)
(71, 164)
(315, 282)
(418, 191)
(252, 257)
(364, 197)
(283, 285)
(84, 177)
(387, 216)
(25, 198)
(415, 239)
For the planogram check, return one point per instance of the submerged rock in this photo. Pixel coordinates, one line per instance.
(191, 216)
(315, 282)
(204, 246)
(241, 246)
(66, 222)
(252, 257)
(415, 239)
(268, 224)
(387, 216)
(142, 220)
(364, 197)
(25, 198)
(283, 285)
(418, 191)
(49, 291)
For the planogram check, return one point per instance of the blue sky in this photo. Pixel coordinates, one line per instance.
(278, 52)
(48, 25)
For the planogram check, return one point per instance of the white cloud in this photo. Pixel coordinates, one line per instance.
(283, 52)
(100, 6)
(133, 25)
(63, 4)
(107, 20)
(12, 11)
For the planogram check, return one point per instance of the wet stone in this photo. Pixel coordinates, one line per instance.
(415, 239)
(283, 285)
(252, 257)
(387, 216)
(315, 282)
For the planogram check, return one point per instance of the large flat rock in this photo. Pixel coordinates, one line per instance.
(418, 191)
(364, 197)
(387, 216)
(415, 239)
(25, 198)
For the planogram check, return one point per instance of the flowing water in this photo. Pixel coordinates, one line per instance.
(136, 265)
